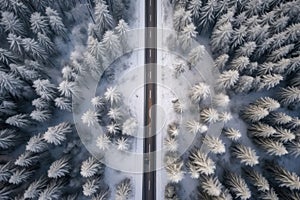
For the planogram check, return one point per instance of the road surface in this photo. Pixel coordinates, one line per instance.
(149, 176)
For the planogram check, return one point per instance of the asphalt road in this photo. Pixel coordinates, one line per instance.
(149, 176)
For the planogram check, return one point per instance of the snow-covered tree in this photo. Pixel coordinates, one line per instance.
(53, 190)
(207, 14)
(209, 115)
(36, 144)
(173, 129)
(221, 61)
(186, 36)
(284, 177)
(5, 171)
(121, 30)
(178, 106)
(196, 54)
(201, 161)
(113, 128)
(289, 95)
(246, 50)
(19, 120)
(90, 167)
(294, 148)
(267, 103)
(10, 84)
(199, 92)
(63, 103)
(103, 142)
(221, 100)
(98, 102)
(181, 19)
(195, 127)
(40, 115)
(269, 195)
(15, 43)
(123, 189)
(238, 186)
(55, 22)
(12, 23)
(284, 135)
(35, 188)
(194, 7)
(112, 45)
(214, 144)
(221, 37)
(59, 168)
(102, 195)
(171, 144)
(115, 113)
(240, 63)
(175, 171)
(8, 138)
(211, 185)
(26, 159)
(44, 88)
(271, 147)
(257, 179)
(233, 134)
(261, 130)
(254, 113)
(39, 23)
(122, 144)
(129, 127)
(33, 49)
(112, 95)
(20, 176)
(90, 118)
(68, 88)
(40, 103)
(46, 43)
(269, 81)
(24, 72)
(103, 18)
(91, 187)
(238, 36)
(278, 54)
(57, 134)
(227, 79)
(246, 154)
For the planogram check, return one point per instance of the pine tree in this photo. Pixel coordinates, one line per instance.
(284, 135)
(90, 167)
(68, 88)
(112, 95)
(40, 115)
(211, 185)
(8, 138)
(103, 18)
(10, 84)
(57, 134)
(122, 144)
(269, 195)
(36, 144)
(258, 180)
(27, 159)
(221, 100)
(196, 55)
(284, 177)
(289, 95)
(227, 79)
(123, 189)
(261, 130)
(40, 104)
(35, 188)
(199, 92)
(214, 144)
(240, 63)
(46, 43)
(122, 31)
(246, 154)
(220, 62)
(98, 102)
(63, 103)
(129, 127)
(111, 44)
(53, 190)
(178, 106)
(238, 186)
(233, 134)
(294, 148)
(34, 50)
(244, 84)
(201, 161)
(15, 46)
(39, 23)
(267, 103)
(102, 195)
(7, 57)
(254, 113)
(181, 19)
(113, 128)
(44, 88)
(115, 113)
(91, 187)
(207, 14)
(174, 171)
(238, 36)
(5, 171)
(271, 147)
(24, 72)
(95, 48)
(19, 120)
(278, 54)
(90, 118)
(186, 36)
(55, 22)
(103, 142)
(173, 129)
(220, 38)
(269, 81)
(209, 115)
(12, 24)
(20, 176)
(59, 168)
(195, 127)
(194, 7)
(171, 144)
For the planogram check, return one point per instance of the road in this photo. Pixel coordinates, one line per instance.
(149, 176)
